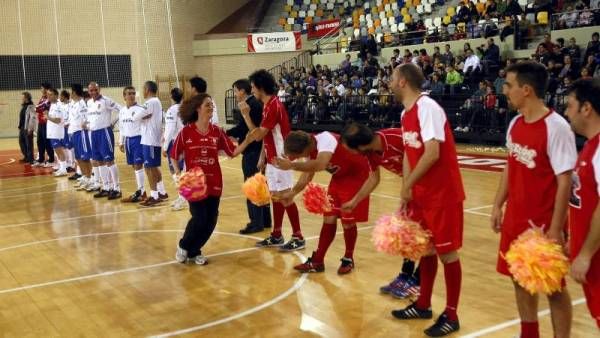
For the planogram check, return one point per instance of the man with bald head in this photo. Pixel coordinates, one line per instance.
(100, 122)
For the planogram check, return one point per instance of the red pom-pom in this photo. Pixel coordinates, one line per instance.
(399, 236)
(192, 185)
(316, 200)
(256, 190)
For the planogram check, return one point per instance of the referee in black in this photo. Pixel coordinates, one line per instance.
(251, 109)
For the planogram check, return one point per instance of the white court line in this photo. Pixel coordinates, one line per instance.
(479, 213)
(12, 160)
(510, 323)
(479, 208)
(50, 192)
(68, 219)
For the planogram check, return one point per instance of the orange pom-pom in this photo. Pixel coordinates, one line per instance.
(399, 236)
(536, 262)
(256, 190)
(192, 185)
(316, 200)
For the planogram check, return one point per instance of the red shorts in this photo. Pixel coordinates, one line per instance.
(342, 191)
(592, 297)
(444, 222)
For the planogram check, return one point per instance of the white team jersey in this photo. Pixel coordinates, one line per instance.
(56, 130)
(128, 127)
(215, 115)
(77, 115)
(151, 128)
(173, 125)
(100, 112)
(64, 107)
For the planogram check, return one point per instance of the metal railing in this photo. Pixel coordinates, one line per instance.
(303, 59)
(575, 19)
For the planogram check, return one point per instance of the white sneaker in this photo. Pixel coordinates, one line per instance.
(48, 165)
(92, 187)
(37, 164)
(200, 260)
(181, 255)
(466, 129)
(458, 129)
(60, 173)
(178, 204)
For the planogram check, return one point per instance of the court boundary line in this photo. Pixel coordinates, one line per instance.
(52, 192)
(513, 322)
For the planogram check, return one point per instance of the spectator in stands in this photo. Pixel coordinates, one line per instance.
(568, 69)
(415, 58)
(339, 87)
(407, 56)
(372, 45)
(27, 125)
(491, 9)
(512, 9)
(472, 107)
(490, 105)
(490, 28)
(346, 65)
(464, 13)
(333, 104)
(436, 53)
(448, 57)
(436, 85)
(585, 17)
(590, 62)
(548, 44)
(564, 86)
(466, 47)
(423, 55)
(472, 65)
(542, 55)
(444, 34)
(568, 18)
(427, 68)
(586, 74)
(573, 49)
(593, 46)
(473, 29)
(453, 79)
(282, 93)
(499, 81)
(507, 30)
(490, 54)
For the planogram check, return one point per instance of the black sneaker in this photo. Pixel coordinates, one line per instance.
(70, 170)
(251, 229)
(101, 193)
(74, 177)
(134, 198)
(114, 194)
(294, 244)
(270, 241)
(442, 327)
(411, 312)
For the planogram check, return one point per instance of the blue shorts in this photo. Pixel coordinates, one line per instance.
(103, 145)
(151, 156)
(133, 150)
(56, 143)
(169, 159)
(68, 141)
(82, 145)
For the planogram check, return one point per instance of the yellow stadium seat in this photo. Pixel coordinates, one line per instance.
(388, 38)
(356, 25)
(361, 11)
(320, 12)
(407, 18)
(281, 22)
(294, 14)
(542, 18)
(389, 14)
(341, 10)
(380, 8)
(288, 28)
(377, 23)
(372, 30)
(408, 4)
(315, 1)
(308, 19)
(447, 20)
(480, 7)
(451, 11)
(416, 3)
(404, 11)
(287, 8)
(385, 2)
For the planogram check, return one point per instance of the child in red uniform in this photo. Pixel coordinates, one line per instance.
(349, 171)
(198, 143)
(432, 191)
(583, 110)
(382, 148)
(535, 184)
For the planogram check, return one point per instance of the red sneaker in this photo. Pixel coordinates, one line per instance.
(310, 266)
(150, 202)
(347, 266)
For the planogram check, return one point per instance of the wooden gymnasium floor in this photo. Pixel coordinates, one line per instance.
(74, 266)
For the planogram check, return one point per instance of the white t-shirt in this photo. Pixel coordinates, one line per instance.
(77, 115)
(326, 142)
(215, 115)
(100, 112)
(128, 127)
(56, 130)
(151, 128)
(173, 125)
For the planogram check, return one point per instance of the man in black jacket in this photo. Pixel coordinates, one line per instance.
(251, 109)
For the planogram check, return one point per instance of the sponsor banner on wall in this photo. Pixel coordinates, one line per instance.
(319, 30)
(274, 42)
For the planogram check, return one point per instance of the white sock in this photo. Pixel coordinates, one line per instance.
(62, 166)
(154, 194)
(114, 173)
(139, 179)
(96, 172)
(160, 186)
(72, 158)
(78, 170)
(105, 175)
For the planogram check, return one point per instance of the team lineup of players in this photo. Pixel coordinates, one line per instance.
(542, 158)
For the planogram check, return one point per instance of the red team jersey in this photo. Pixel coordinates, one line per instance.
(442, 184)
(202, 150)
(583, 202)
(438, 195)
(275, 118)
(349, 172)
(538, 152)
(393, 151)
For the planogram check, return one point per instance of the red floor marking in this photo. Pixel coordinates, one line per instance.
(17, 169)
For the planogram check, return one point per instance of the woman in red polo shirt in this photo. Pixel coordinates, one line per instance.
(198, 144)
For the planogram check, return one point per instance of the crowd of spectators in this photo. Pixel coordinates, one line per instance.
(470, 81)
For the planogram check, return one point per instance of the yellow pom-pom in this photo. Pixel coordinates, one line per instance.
(537, 263)
(256, 190)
